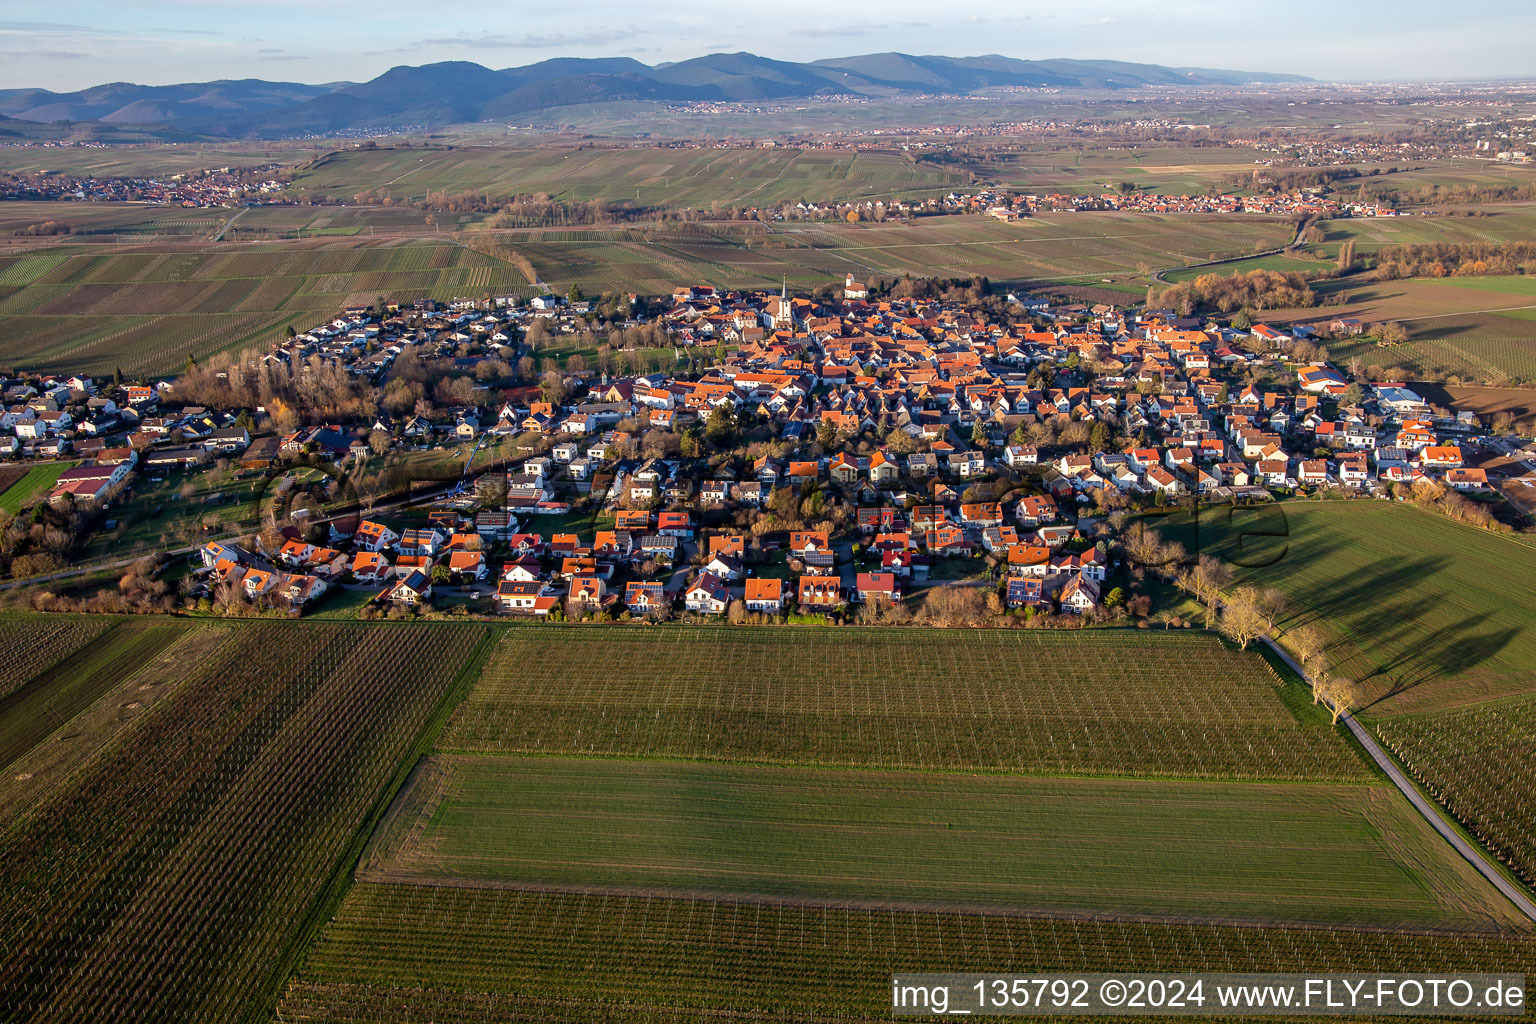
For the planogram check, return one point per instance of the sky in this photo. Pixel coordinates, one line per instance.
(72, 45)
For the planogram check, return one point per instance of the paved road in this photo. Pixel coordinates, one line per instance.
(220, 236)
(1157, 275)
(1430, 812)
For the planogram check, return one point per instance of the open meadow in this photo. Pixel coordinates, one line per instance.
(148, 308)
(1416, 606)
(1204, 851)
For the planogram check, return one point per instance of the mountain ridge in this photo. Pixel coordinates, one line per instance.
(448, 92)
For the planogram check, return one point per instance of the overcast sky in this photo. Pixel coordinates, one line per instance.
(159, 42)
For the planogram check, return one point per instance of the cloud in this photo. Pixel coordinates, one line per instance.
(46, 27)
(1106, 20)
(559, 40)
(271, 49)
(45, 54)
(817, 32)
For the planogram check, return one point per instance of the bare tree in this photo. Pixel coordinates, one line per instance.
(1343, 695)
(1306, 642)
(1241, 622)
(1205, 581)
(1272, 604)
(1320, 668)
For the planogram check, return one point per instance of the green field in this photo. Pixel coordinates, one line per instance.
(1120, 703)
(51, 698)
(147, 309)
(1496, 222)
(1208, 851)
(158, 158)
(1418, 606)
(91, 308)
(650, 176)
(856, 800)
(153, 516)
(117, 223)
(1079, 169)
(31, 646)
(37, 482)
(737, 851)
(1049, 248)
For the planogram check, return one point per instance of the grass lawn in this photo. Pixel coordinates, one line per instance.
(38, 481)
(1419, 606)
(339, 603)
(155, 516)
(1183, 850)
(944, 568)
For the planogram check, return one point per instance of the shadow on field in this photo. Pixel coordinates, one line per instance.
(1371, 603)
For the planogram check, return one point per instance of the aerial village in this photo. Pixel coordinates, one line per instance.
(830, 456)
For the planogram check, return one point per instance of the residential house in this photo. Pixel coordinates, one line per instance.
(372, 536)
(526, 598)
(414, 588)
(1026, 592)
(876, 586)
(371, 567)
(1080, 595)
(708, 595)
(646, 598)
(765, 595)
(819, 593)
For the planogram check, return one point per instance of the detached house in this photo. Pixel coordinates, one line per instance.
(708, 595)
(525, 598)
(371, 567)
(876, 586)
(412, 589)
(372, 536)
(765, 595)
(646, 598)
(1080, 595)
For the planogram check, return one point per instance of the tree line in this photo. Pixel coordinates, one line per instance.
(1454, 259)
